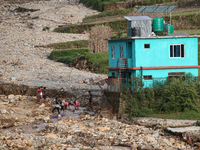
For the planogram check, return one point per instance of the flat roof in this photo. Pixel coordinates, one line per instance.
(130, 18)
(153, 37)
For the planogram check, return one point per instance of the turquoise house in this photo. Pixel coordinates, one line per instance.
(151, 57)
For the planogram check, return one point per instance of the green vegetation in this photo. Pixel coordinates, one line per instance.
(98, 61)
(98, 4)
(197, 123)
(84, 27)
(55, 54)
(189, 115)
(109, 13)
(186, 13)
(46, 28)
(174, 96)
(192, 32)
(69, 45)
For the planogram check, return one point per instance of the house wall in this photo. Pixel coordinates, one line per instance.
(158, 54)
(117, 43)
(163, 74)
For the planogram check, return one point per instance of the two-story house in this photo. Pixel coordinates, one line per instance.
(152, 56)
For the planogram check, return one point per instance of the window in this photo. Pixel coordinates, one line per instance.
(146, 46)
(175, 74)
(177, 51)
(113, 74)
(113, 52)
(149, 77)
(121, 51)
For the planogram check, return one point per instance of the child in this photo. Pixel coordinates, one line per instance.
(62, 104)
(76, 104)
(67, 105)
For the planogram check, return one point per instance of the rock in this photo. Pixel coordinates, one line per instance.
(69, 137)
(46, 119)
(51, 135)
(11, 96)
(42, 105)
(81, 82)
(103, 129)
(4, 111)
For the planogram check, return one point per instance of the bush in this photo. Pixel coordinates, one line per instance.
(176, 95)
(197, 123)
(170, 96)
(46, 28)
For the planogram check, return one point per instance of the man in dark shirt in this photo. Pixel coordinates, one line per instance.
(44, 94)
(57, 98)
(90, 100)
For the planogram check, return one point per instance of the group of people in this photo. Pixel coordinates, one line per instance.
(41, 95)
(61, 104)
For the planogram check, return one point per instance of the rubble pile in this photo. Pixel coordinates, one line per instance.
(21, 110)
(93, 133)
(23, 60)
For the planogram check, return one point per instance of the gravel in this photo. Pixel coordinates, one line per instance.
(22, 62)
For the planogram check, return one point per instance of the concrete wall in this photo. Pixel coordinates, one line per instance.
(116, 44)
(163, 73)
(158, 54)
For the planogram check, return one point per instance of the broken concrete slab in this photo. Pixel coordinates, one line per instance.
(183, 129)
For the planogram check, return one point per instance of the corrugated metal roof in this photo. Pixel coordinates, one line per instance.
(130, 18)
(156, 9)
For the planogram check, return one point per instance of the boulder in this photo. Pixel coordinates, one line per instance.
(11, 96)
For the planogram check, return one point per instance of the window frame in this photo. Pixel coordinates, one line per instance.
(147, 77)
(121, 51)
(146, 44)
(180, 50)
(113, 51)
(175, 74)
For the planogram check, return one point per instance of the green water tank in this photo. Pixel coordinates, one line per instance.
(170, 29)
(158, 24)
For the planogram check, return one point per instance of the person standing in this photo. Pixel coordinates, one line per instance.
(57, 98)
(62, 105)
(90, 100)
(38, 91)
(44, 94)
(38, 97)
(41, 92)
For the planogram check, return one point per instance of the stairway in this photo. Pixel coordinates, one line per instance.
(122, 66)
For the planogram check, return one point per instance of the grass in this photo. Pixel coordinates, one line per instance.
(98, 61)
(109, 13)
(98, 4)
(69, 45)
(186, 13)
(189, 115)
(55, 54)
(192, 32)
(114, 24)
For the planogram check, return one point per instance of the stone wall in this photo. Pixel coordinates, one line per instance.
(113, 99)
